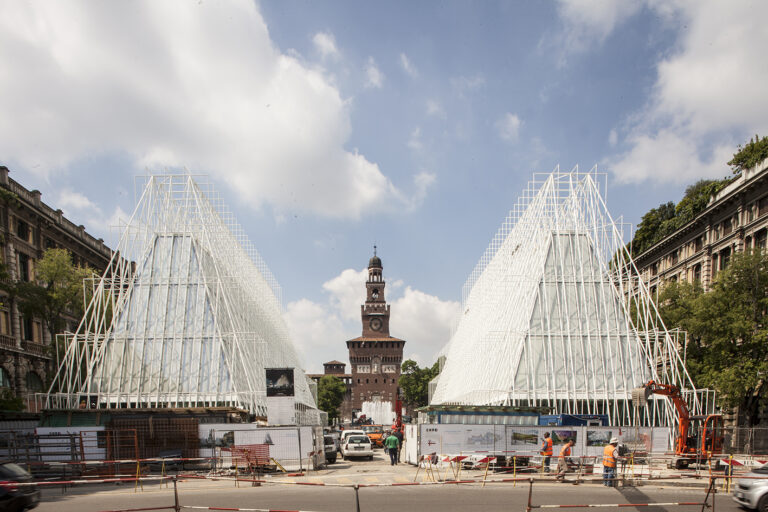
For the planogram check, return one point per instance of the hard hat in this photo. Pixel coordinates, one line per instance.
(614, 440)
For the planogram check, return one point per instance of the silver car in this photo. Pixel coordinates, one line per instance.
(752, 492)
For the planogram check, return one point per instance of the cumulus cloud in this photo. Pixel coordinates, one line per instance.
(434, 108)
(373, 75)
(319, 329)
(325, 44)
(463, 84)
(75, 205)
(508, 127)
(414, 141)
(176, 84)
(408, 66)
(589, 22)
(709, 91)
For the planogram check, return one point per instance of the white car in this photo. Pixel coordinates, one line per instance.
(357, 446)
(752, 492)
(346, 433)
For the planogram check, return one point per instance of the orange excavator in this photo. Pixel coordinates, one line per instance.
(698, 438)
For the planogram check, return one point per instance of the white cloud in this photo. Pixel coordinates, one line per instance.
(434, 108)
(325, 43)
(589, 22)
(373, 75)
(462, 84)
(508, 127)
(613, 138)
(425, 322)
(195, 85)
(319, 329)
(408, 66)
(708, 97)
(79, 208)
(414, 141)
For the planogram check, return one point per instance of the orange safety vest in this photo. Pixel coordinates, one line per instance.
(546, 447)
(609, 460)
(565, 452)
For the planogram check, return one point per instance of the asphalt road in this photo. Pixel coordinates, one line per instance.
(502, 497)
(494, 497)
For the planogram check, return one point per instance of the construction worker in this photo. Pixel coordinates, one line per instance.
(610, 456)
(563, 462)
(546, 452)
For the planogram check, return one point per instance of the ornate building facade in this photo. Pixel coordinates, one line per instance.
(735, 219)
(27, 228)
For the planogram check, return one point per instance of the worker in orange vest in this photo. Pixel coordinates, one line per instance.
(610, 456)
(563, 463)
(546, 451)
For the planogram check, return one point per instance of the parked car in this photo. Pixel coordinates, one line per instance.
(13, 497)
(753, 492)
(331, 448)
(357, 446)
(346, 433)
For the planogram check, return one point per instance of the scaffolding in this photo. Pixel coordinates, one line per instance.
(187, 314)
(555, 315)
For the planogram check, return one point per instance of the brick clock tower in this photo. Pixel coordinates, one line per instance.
(375, 357)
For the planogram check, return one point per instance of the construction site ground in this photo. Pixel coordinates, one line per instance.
(381, 489)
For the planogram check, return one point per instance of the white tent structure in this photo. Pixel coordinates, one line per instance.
(186, 315)
(555, 315)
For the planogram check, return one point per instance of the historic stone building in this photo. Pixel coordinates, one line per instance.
(735, 219)
(338, 370)
(375, 357)
(27, 228)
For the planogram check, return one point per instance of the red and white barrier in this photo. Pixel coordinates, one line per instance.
(599, 505)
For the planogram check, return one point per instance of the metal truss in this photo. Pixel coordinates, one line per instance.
(555, 314)
(187, 314)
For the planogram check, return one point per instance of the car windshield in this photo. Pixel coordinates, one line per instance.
(762, 469)
(359, 440)
(371, 429)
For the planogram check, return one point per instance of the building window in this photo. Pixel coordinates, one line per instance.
(698, 244)
(727, 227)
(697, 273)
(725, 257)
(5, 378)
(389, 368)
(760, 237)
(366, 381)
(5, 322)
(654, 270)
(673, 257)
(363, 368)
(762, 206)
(393, 381)
(32, 330)
(26, 267)
(375, 381)
(34, 383)
(22, 230)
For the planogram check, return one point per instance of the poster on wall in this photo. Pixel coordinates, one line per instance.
(279, 381)
(482, 439)
(598, 437)
(560, 436)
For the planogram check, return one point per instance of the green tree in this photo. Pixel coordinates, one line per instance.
(414, 382)
(56, 291)
(10, 402)
(749, 155)
(330, 395)
(728, 335)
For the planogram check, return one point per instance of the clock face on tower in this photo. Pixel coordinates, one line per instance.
(375, 324)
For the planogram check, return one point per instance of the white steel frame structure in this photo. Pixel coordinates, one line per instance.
(187, 314)
(555, 315)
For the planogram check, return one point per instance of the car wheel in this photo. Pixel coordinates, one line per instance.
(332, 460)
(762, 504)
(370, 457)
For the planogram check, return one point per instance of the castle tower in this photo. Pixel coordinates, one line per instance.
(375, 357)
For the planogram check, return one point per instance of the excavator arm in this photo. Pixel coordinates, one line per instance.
(673, 392)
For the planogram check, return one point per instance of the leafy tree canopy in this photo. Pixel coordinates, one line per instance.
(330, 395)
(749, 155)
(728, 334)
(661, 222)
(414, 382)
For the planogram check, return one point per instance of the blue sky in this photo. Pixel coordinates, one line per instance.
(331, 126)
